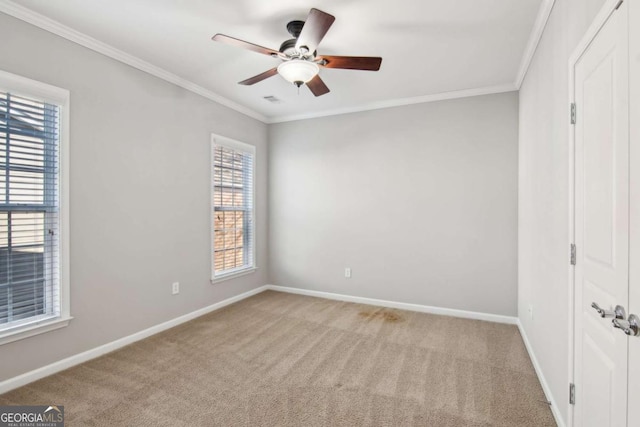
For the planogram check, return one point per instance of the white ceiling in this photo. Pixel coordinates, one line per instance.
(428, 46)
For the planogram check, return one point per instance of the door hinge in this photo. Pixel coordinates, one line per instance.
(573, 113)
(572, 393)
(573, 254)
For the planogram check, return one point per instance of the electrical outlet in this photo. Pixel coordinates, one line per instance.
(175, 288)
(347, 273)
(531, 311)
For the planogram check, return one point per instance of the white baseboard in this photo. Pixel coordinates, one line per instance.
(543, 381)
(400, 305)
(45, 371)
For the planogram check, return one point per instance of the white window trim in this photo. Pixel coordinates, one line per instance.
(233, 274)
(240, 146)
(31, 88)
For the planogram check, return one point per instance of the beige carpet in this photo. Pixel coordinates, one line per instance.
(287, 360)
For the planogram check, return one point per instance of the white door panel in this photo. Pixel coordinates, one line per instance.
(598, 384)
(599, 161)
(634, 270)
(602, 224)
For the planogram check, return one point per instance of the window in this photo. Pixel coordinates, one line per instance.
(33, 298)
(233, 212)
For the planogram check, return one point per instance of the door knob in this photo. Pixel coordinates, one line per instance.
(630, 327)
(618, 313)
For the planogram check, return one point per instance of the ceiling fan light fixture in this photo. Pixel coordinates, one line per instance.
(298, 71)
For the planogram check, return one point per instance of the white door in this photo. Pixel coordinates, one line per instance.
(634, 271)
(602, 224)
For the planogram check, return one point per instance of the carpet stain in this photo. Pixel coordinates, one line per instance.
(385, 316)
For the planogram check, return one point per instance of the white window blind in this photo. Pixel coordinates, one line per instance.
(233, 207)
(29, 211)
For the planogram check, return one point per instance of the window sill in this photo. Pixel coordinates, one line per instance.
(31, 329)
(233, 275)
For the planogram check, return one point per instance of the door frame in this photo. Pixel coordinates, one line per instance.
(609, 7)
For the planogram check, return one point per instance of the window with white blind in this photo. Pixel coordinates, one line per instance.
(32, 121)
(233, 239)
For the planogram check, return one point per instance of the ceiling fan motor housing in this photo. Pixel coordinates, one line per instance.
(295, 28)
(288, 47)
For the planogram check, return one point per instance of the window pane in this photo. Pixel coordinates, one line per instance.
(239, 257)
(26, 187)
(238, 236)
(218, 241)
(27, 151)
(4, 230)
(3, 186)
(28, 299)
(229, 260)
(232, 200)
(28, 226)
(4, 304)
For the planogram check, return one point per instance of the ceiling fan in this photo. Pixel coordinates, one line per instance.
(301, 62)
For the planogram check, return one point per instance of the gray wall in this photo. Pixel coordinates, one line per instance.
(139, 195)
(420, 201)
(543, 281)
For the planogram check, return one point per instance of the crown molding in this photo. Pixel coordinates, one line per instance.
(377, 105)
(25, 14)
(534, 39)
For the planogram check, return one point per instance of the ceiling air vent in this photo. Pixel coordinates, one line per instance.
(272, 99)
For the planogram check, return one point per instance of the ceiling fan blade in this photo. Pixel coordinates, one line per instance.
(245, 45)
(317, 86)
(370, 63)
(314, 29)
(260, 77)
